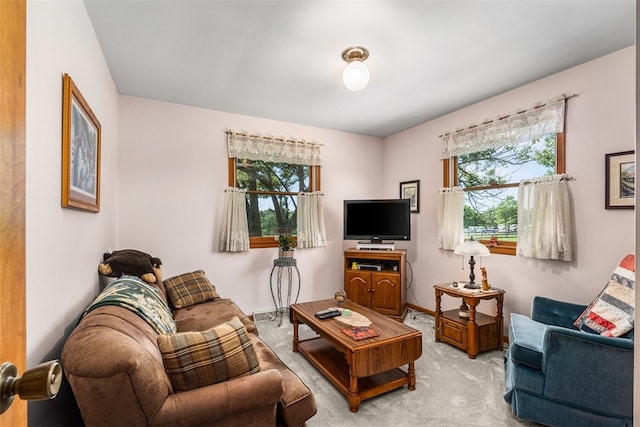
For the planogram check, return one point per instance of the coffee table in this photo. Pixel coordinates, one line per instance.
(358, 369)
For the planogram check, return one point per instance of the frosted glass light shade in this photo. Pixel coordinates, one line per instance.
(471, 248)
(355, 75)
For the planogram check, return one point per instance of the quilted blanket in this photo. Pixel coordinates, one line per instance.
(132, 293)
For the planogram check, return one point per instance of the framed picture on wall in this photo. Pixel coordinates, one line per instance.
(411, 190)
(81, 133)
(620, 180)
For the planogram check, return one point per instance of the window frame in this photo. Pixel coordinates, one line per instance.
(269, 241)
(450, 170)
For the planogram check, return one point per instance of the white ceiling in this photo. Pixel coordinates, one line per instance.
(281, 59)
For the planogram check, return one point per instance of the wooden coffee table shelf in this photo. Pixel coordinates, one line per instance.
(358, 369)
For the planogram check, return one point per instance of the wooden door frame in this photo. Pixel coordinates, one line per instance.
(12, 196)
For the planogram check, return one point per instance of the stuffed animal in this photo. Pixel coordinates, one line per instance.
(131, 262)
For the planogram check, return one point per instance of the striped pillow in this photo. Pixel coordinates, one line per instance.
(197, 359)
(189, 289)
(612, 312)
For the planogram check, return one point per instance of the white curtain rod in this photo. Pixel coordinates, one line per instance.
(234, 190)
(450, 189)
(272, 138)
(549, 178)
(535, 107)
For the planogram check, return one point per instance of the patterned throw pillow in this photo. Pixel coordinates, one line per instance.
(612, 312)
(198, 359)
(190, 288)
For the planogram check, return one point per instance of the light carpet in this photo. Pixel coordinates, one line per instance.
(451, 389)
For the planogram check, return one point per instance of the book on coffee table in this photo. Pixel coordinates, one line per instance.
(360, 332)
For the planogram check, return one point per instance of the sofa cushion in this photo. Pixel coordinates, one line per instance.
(612, 312)
(190, 288)
(203, 316)
(200, 358)
(297, 403)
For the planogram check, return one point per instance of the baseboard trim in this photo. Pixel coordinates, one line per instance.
(421, 309)
(263, 315)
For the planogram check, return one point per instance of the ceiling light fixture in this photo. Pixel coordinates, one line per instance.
(356, 74)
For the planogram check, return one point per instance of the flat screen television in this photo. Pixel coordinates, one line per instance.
(377, 220)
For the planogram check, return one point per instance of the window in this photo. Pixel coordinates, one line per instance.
(272, 190)
(490, 179)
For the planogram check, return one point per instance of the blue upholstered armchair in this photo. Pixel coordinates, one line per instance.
(558, 375)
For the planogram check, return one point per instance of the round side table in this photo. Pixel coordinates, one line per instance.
(282, 264)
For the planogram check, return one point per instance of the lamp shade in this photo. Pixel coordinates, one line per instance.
(355, 75)
(471, 248)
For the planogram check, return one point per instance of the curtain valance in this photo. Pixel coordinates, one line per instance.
(521, 126)
(267, 148)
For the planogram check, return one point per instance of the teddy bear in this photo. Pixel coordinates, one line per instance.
(131, 262)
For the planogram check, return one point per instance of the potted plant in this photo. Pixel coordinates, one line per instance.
(285, 246)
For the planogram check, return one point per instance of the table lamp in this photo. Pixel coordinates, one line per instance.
(471, 248)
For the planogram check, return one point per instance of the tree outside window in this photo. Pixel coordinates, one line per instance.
(271, 196)
(490, 179)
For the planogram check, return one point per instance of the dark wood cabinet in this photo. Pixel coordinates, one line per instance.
(381, 287)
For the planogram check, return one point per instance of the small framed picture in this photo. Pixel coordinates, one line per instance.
(411, 190)
(620, 180)
(81, 133)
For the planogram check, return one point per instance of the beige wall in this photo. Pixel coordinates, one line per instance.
(173, 171)
(181, 186)
(63, 245)
(599, 120)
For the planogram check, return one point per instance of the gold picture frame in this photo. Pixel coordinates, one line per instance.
(81, 137)
(620, 177)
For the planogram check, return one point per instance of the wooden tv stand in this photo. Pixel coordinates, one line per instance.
(381, 290)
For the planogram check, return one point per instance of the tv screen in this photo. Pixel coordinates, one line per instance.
(377, 220)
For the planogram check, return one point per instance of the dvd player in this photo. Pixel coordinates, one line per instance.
(376, 246)
(377, 267)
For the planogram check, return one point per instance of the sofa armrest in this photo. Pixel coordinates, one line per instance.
(237, 398)
(525, 340)
(557, 313)
(594, 365)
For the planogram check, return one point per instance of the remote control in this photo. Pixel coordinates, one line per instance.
(328, 313)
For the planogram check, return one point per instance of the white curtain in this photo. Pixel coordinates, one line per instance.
(450, 217)
(545, 218)
(524, 125)
(311, 230)
(243, 145)
(235, 229)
